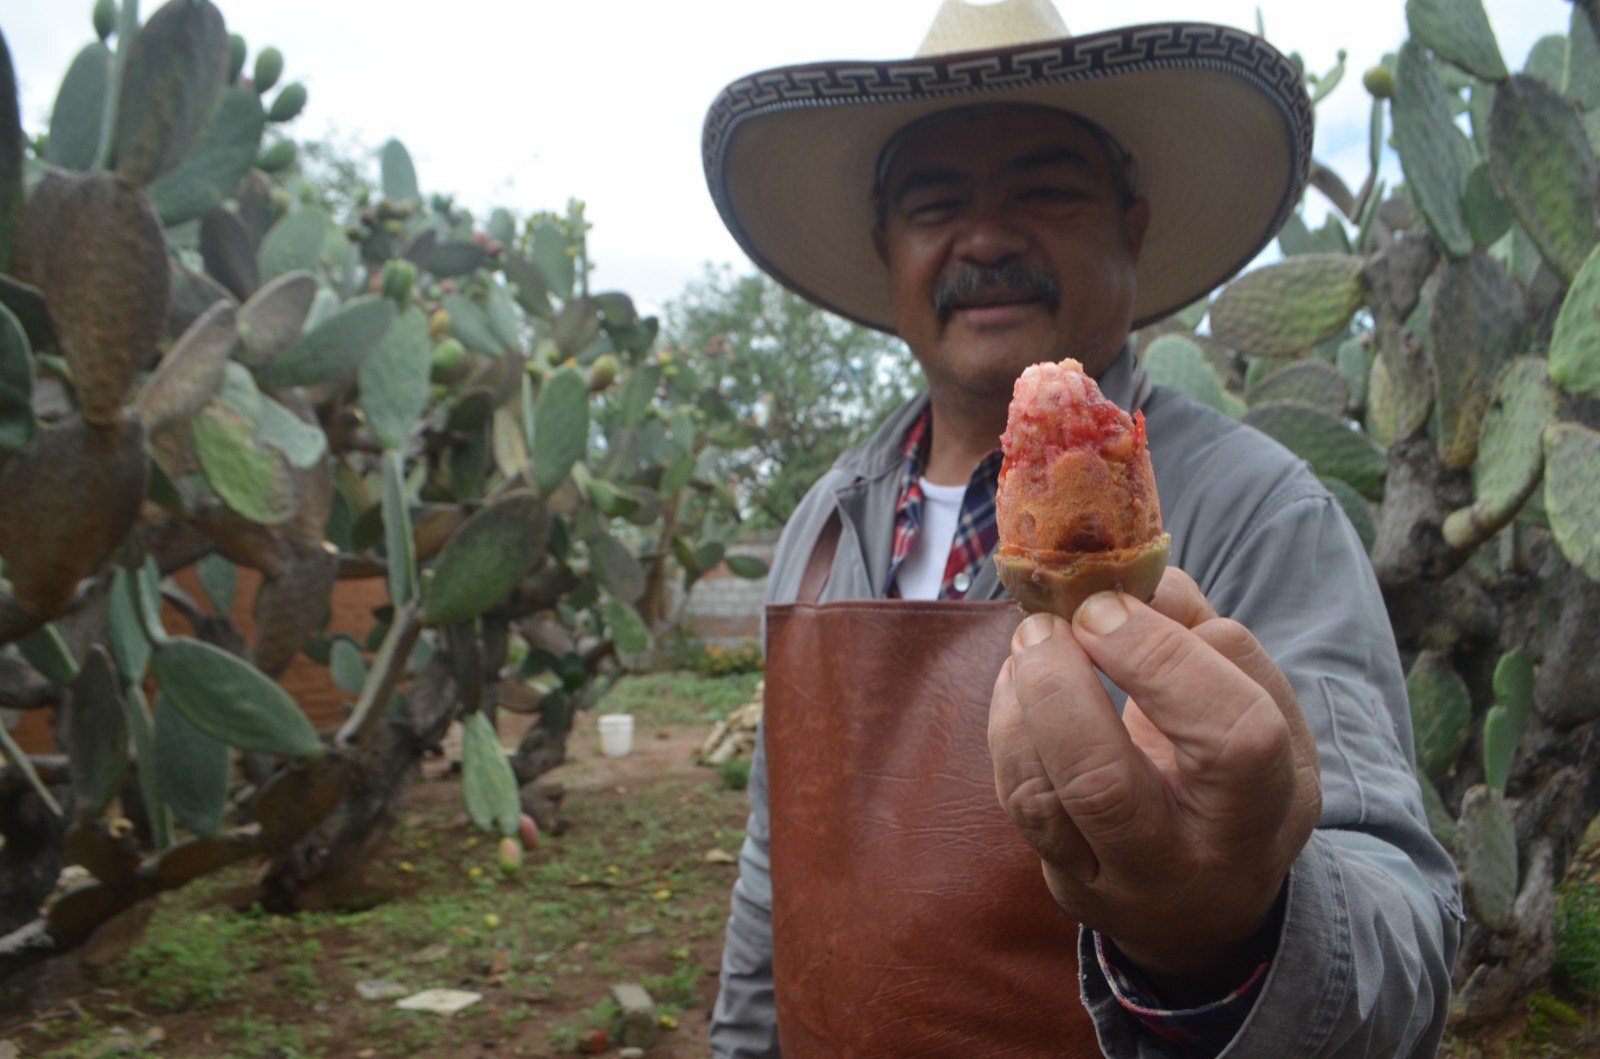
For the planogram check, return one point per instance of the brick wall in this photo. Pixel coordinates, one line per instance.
(724, 609)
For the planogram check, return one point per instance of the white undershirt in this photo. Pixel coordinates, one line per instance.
(922, 574)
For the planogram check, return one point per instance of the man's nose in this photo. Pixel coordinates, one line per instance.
(990, 236)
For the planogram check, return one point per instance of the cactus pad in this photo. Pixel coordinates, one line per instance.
(1546, 169)
(394, 380)
(1309, 381)
(1458, 31)
(1571, 484)
(176, 66)
(294, 243)
(274, 317)
(1475, 322)
(486, 557)
(251, 479)
(1575, 344)
(1510, 451)
(71, 474)
(487, 783)
(108, 307)
(192, 370)
(334, 348)
(560, 428)
(1434, 154)
(96, 735)
(230, 700)
(79, 111)
(17, 422)
(1488, 857)
(1488, 214)
(220, 158)
(1441, 712)
(1287, 308)
(1324, 441)
(191, 769)
(398, 174)
(1178, 362)
(1503, 727)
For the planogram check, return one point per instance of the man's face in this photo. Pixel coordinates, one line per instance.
(1008, 243)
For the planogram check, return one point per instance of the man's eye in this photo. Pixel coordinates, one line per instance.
(1053, 193)
(931, 209)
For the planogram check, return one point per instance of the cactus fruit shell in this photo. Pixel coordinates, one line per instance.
(83, 481)
(1076, 505)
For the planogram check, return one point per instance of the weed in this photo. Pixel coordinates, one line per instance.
(734, 773)
(1578, 935)
(681, 698)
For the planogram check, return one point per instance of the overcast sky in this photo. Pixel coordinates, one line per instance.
(525, 104)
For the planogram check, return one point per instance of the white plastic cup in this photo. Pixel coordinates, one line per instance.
(616, 734)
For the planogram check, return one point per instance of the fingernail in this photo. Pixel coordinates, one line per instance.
(1034, 629)
(1103, 613)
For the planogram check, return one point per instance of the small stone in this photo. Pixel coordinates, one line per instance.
(631, 1053)
(439, 1001)
(431, 954)
(719, 856)
(9, 1051)
(379, 989)
(639, 1027)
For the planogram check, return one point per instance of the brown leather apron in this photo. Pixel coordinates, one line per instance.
(909, 918)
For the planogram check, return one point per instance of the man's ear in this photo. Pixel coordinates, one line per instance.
(880, 243)
(1135, 222)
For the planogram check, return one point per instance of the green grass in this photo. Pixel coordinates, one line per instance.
(1578, 936)
(680, 697)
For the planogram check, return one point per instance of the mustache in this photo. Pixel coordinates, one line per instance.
(1012, 277)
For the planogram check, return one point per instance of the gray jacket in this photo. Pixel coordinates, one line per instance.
(1373, 914)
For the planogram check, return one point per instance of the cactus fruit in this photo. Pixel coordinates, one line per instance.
(1546, 168)
(1488, 857)
(104, 18)
(1379, 82)
(290, 102)
(268, 68)
(1076, 503)
(278, 157)
(1441, 712)
(1287, 308)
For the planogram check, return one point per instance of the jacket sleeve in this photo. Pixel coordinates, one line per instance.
(744, 1023)
(1372, 922)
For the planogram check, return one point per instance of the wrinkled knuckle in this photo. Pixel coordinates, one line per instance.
(1230, 637)
(1097, 800)
(1032, 805)
(1165, 654)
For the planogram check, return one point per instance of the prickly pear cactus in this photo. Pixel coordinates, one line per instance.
(400, 393)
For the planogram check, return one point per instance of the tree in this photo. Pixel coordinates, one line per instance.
(805, 384)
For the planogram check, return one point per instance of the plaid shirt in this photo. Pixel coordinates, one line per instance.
(976, 529)
(1195, 1033)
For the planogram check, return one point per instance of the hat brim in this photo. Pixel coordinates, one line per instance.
(1217, 120)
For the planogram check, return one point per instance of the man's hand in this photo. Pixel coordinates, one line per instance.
(1169, 829)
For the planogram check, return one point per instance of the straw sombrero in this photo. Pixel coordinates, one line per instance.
(1216, 120)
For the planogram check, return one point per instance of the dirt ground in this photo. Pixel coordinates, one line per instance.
(635, 890)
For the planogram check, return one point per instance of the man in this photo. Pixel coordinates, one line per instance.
(1230, 815)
